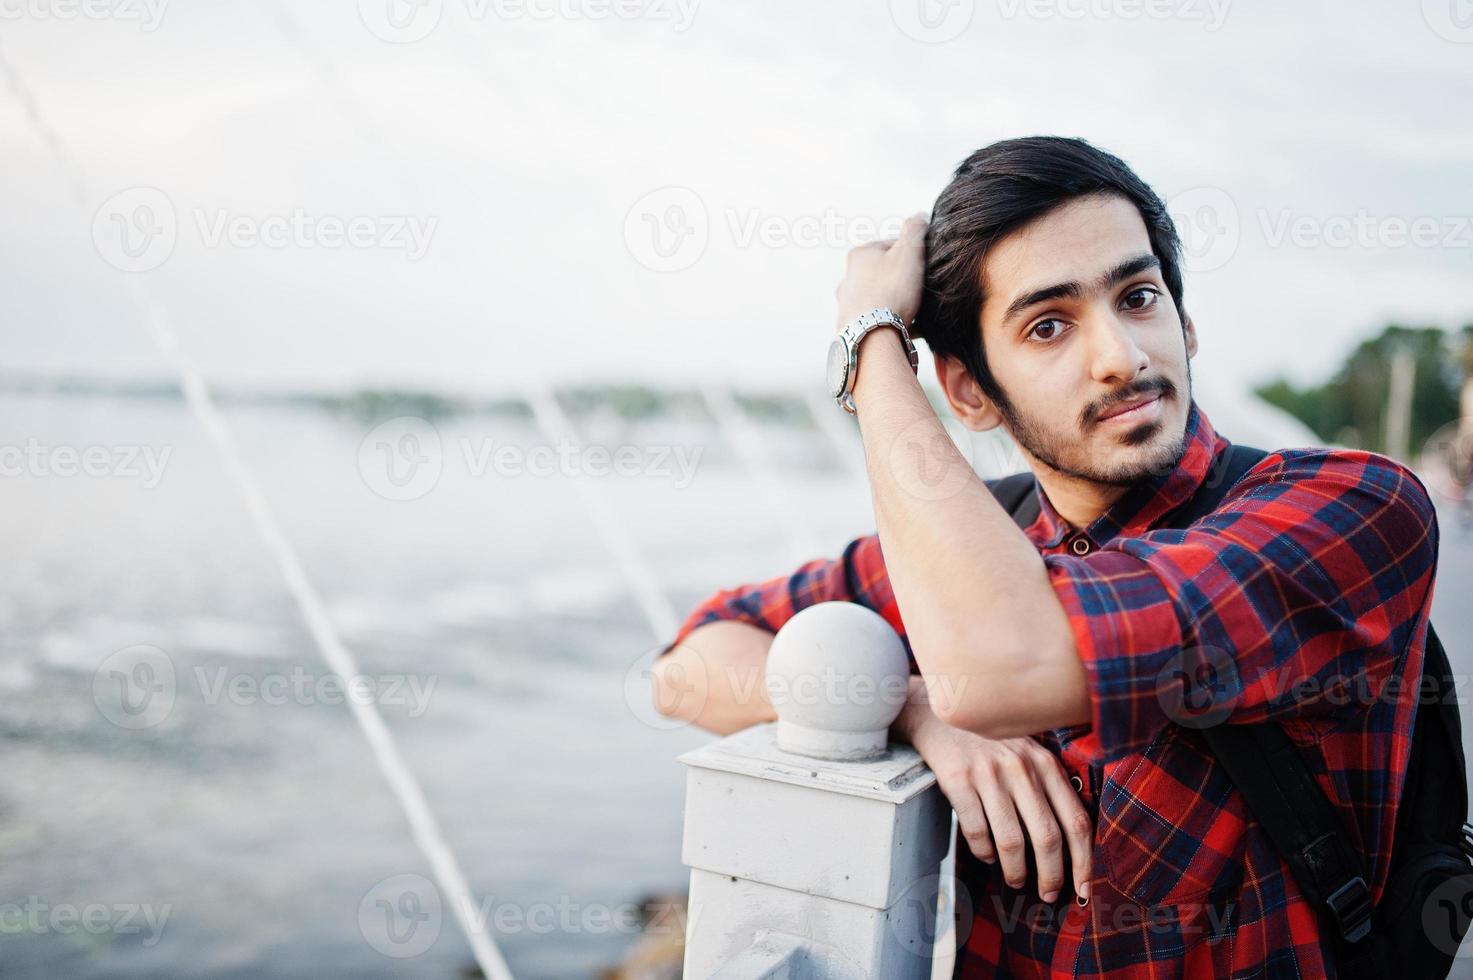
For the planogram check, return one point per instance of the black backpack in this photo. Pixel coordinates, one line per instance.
(1427, 905)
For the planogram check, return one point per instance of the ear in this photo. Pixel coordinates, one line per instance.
(971, 407)
(1190, 329)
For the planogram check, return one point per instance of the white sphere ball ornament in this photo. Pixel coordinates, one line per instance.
(837, 675)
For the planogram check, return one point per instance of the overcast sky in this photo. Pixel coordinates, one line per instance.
(470, 191)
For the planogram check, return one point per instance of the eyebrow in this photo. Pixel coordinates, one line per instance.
(1073, 290)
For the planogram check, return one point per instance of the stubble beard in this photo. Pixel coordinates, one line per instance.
(1063, 454)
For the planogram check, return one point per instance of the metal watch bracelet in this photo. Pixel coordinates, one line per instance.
(844, 352)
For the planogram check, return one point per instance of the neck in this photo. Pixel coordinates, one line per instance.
(1078, 501)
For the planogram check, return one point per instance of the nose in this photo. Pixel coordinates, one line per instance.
(1114, 356)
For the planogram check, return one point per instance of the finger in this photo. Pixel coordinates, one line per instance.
(860, 251)
(908, 256)
(1043, 833)
(1078, 829)
(910, 248)
(1007, 832)
(913, 231)
(972, 819)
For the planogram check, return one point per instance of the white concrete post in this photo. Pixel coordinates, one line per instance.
(813, 845)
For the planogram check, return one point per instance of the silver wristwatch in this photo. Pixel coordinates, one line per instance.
(844, 352)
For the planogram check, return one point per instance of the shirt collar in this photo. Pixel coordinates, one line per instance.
(1145, 503)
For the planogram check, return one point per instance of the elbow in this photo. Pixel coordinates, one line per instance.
(998, 691)
(670, 689)
(967, 687)
(981, 710)
(966, 715)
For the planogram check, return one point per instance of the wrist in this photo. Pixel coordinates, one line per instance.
(916, 717)
(882, 360)
(845, 352)
(886, 335)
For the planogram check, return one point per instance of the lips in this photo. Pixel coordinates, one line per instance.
(1128, 406)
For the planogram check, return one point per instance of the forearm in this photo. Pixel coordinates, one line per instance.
(982, 617)
(916, 714)
(716, 678)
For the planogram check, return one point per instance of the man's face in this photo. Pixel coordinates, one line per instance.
(1077, 324)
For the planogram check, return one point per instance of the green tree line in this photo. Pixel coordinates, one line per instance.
(1350, 408)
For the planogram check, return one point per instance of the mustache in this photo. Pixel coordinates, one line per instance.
(1155, 386)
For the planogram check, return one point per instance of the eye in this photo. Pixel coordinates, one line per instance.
(1047, 329)
(1141, 298)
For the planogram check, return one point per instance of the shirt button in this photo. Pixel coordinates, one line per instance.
(1080, 546)
(1077, 783)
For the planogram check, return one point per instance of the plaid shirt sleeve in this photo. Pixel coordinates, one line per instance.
(858, 575)
(1311, 577)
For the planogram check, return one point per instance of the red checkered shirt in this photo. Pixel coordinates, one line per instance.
(1304, 597)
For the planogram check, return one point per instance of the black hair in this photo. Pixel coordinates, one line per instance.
(997, 190)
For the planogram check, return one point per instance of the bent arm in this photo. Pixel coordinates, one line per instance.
(716, 678)
(1006, 794)
(714, 673)
(985, 624)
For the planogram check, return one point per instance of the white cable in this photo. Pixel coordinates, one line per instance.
(401, 780)
(734, 424)
(556, 425)
(659, 613)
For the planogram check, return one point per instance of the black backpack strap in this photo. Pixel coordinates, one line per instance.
(1281, 793)
(1439, 702)
(1226, 471)
(1266, 766)
(1015, 494)
(1270, 772)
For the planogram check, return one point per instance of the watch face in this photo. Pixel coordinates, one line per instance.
(838, 367)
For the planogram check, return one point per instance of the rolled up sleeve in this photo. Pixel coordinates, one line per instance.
(1299, 596)
(858, 575)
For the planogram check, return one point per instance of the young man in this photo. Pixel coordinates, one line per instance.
(1049, 288)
